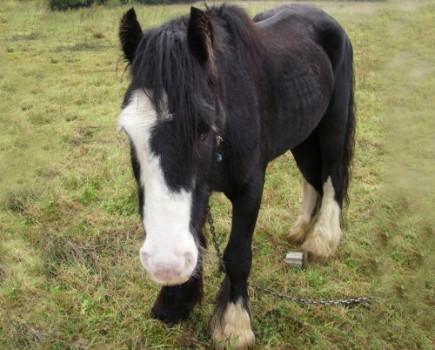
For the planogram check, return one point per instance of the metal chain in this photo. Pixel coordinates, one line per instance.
(310, 301)
(215, 242)
(272, 292)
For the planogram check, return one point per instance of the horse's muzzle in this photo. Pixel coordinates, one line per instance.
(168, 268)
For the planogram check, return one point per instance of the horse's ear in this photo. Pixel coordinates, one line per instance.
(200, 35)
(130, 34)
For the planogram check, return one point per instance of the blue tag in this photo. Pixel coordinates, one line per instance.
(218, 157)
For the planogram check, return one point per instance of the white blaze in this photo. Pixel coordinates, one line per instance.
(169, 252)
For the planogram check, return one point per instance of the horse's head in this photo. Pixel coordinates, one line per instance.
(169, 114)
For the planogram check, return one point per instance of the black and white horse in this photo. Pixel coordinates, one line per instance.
(214, 97)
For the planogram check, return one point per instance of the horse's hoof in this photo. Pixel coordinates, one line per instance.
(319, 247)
(234, 330)
(239, 342)
(171, 315)
(298, 231)
(171, 306)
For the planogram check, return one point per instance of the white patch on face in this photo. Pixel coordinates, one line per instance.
(303, 222)
(234, 330)
(322, 241)
(169, 253)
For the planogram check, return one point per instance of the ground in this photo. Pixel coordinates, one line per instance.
(70, 275)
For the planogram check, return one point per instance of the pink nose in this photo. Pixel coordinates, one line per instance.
(168, 269)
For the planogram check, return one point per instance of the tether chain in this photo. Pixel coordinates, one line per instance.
(215, 242)
(272, 292)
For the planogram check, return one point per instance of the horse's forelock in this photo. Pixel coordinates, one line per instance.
(165, 68)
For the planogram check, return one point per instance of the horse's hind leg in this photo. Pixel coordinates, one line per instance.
(336, 137)
(324, 236)
(305, 218)
(318, 224)
(308, 159)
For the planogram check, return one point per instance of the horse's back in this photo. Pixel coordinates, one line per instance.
(302, 18)
(277, 14)
(302, 23)
(303, 46)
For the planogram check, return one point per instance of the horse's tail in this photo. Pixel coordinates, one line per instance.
(349, 144)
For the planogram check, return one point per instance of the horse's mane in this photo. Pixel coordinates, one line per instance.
(165, 68)
(243, 35)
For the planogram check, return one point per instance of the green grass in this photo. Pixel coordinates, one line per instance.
(70, 277)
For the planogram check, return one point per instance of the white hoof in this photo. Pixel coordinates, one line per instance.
(323, 239)
(234, 330)
(320, 243)
(299, 230)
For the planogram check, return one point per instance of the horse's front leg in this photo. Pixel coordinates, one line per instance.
(174, 303)
(232, 317)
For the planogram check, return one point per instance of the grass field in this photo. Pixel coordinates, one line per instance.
(70, 276)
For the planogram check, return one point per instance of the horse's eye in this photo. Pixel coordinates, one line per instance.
(203, 136)
(203, 131)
